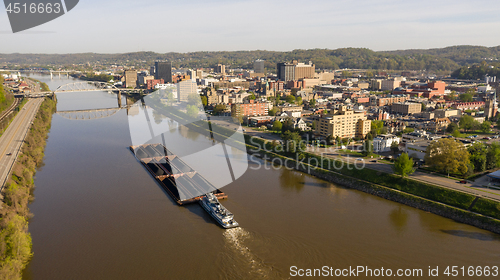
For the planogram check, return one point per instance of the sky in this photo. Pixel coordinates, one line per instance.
(119, 26)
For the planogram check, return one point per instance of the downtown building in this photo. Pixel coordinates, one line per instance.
(251, 108)
(295, 71)
(343, 123)
(163, 70)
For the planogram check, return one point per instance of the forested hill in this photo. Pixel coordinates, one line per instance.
(445, 59)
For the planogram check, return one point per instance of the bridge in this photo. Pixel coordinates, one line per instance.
(90, 114)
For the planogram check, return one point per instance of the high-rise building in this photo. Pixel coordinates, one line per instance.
(221, 68)
(343, 123)
(163, 70)
(258, 66)
(152, 71)
(130, 78)
(295, 71)
(184, 89)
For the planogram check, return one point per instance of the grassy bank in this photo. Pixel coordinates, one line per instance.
(15, 240)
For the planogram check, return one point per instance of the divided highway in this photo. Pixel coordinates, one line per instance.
(13, 137)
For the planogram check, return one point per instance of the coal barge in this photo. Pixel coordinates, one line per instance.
(178, 179)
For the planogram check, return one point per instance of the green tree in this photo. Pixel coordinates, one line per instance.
(219, 108)
(192, 111)
(290, 99)
(394, 147)
(273, 111)
(468, 123)
(493, 156)
(367, 148)
(448, 156)
(485, 127)
(329, 139)
(252, 96)
(477, 156)
(204, 101)
(376, 127)
(287, 124)
(451, 127)
(423, 107)
(456, 133)
(403, 165)
(452, 96)
(194, 99)
(465, 97)
(277, 125)
(292, 142)
(312, 103)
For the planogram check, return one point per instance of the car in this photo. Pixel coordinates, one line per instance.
(463, 182)
(373, 160)
(486, 138)
(359, 159)
(9, 154)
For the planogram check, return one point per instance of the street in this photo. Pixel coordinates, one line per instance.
(12, 139)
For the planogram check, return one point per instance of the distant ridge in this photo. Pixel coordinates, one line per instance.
(440, 59)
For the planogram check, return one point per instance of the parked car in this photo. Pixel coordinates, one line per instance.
(9, 154)
(463, 182)
(486, 138)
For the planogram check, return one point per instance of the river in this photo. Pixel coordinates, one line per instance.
(98, 214)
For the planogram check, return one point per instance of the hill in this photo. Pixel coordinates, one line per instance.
(445, 59)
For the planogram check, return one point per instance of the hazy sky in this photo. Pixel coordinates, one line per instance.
(184, 26)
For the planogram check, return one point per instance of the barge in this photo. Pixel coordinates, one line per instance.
(177, 178)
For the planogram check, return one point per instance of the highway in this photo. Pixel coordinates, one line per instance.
(13, 137)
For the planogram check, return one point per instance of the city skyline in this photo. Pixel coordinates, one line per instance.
(159, 26)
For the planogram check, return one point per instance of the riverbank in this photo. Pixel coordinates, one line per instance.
(15, 240)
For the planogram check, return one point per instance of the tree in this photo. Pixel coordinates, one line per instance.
(292, 142)
(493, 156)
(192, 110)
(290, 99)
(194, 99)
(465, 97)
(456, 133)
(277, 125)
(485, 127)
(423, 107)
(367, 148)
(451, 127)
(329, 139)
(478, 156)
(299, 100)
(448, 156)
(376, 127)
(287, 124)
(468, 123)
(452, 96)
(251, 96)
(312, 102)
(204, 100)
(403, 165)
(395, 147)
(273, 112)
(219, 108)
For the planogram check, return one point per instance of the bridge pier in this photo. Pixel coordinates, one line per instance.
(119, 97)
(51, 76)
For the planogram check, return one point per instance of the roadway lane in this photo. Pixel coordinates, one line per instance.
(12, 139)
